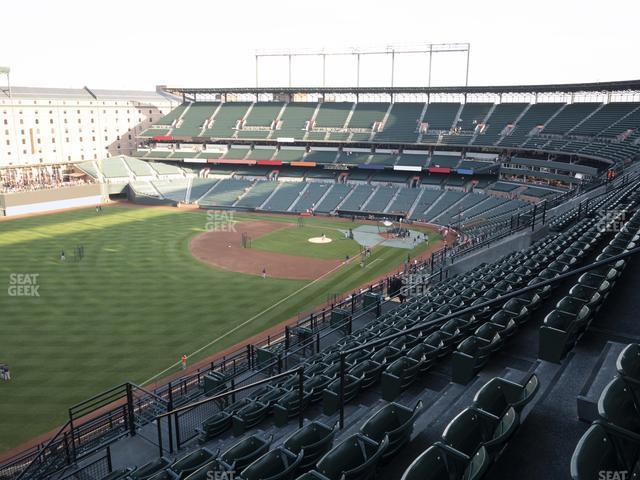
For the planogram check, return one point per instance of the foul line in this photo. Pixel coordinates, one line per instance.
(249, 320)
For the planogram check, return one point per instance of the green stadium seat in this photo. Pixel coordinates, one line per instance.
(394, 421)
(210, 470)
(561, 328)
(368, 370)
(425, 355)
(589, 296)
(356, 458)
(166, 474)
(440, 462)
(314, 440)
(595, 281)
(249, 416)
(488, 332)
(498, 395)
(472, 429)
(386, 354)
(398, 376)
(331, 394)
(150, 469)
(472, 354)
(192, 462)
(628, 363)
(604, 449)
(288, 406)
(245, 452)
(503, 320)
(214, 426)
(278, 464)
(618, 405)
(314, 387)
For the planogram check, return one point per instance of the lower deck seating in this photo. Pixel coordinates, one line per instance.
(286, 194)
(336, 195)
(226, 192)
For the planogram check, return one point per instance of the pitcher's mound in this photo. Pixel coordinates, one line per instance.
(322, 239)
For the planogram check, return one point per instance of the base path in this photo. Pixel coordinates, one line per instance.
(224, 250)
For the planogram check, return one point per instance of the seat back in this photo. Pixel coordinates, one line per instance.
(618, 405)
(628, 363)
(595, 452)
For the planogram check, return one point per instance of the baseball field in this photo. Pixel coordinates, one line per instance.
(139, 287)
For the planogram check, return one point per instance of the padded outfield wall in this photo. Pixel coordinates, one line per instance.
(21, 203)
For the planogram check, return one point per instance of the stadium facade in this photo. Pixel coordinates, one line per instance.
(64, 125)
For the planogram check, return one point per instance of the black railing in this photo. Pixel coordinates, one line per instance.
(96, 469)
(214, 401)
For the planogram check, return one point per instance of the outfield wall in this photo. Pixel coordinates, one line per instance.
(21, 203)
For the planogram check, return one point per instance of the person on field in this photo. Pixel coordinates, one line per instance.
(264, 273)
(183, 361)
(5, 373)
(62, 257)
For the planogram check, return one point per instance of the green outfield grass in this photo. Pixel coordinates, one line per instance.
(134, 304)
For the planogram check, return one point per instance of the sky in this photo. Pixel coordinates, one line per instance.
(138, 44)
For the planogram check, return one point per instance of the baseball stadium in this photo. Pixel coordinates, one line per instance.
(321, 282)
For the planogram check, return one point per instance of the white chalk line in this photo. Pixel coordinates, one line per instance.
(213, 342)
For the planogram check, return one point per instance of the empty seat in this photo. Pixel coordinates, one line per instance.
(472, 354)
(214, 426)
(245, 452)
(314, 440)
(394, 421)
(498, 395)
(439, 462)
(368, 371)
(603, 449)
(628, 363)
(212, 469)
(472, 429)
(289, 406)
(278, 464)
(425, 355)
(249, 416)
(591, 297)
(331, 394)
(398, 376)
(150, 469)
(617, 405)
(192, 462)
(558, 334)
(356, 458)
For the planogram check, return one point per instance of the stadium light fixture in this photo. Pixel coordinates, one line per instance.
(392, 50)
